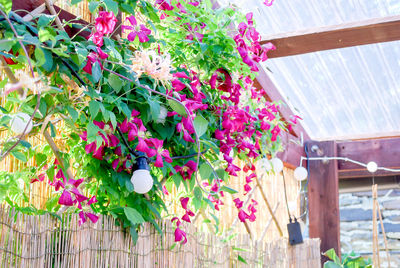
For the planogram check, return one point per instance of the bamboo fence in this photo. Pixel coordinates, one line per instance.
(44, 241)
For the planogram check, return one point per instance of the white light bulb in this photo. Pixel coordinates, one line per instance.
(264, 164)
(277, 165)
(19, 122)
(142, 181)
(300, 173)
(372, 167)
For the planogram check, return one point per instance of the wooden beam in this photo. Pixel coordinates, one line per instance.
(385, 152)
(323, 195)
(339, 36)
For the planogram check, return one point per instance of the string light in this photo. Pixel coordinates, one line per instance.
(21, 123)
(373, 167)
(141, 178)
(277, 165)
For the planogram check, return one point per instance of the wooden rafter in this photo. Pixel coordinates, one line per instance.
(339, 36)
(385, 152)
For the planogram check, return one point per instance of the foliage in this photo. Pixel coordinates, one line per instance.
(351, 260)
(179, 89)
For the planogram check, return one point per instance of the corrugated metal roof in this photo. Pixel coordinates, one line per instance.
(343, 93)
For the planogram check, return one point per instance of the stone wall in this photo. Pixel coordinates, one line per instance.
(356, 223)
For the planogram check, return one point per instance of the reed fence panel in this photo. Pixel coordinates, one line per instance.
(44, 241)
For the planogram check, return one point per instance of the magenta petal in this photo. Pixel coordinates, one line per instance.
(92, 200)
(184, 202)
(65, 199)
(92, 217)
(181, 75)
(159, 161)
(82, 219)
(186, 218)
(180, 236)
(243, 216)
(80, 197)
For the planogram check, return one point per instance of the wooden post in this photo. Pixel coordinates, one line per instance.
(323, 194)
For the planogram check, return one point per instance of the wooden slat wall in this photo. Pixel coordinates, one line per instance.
(42, 241)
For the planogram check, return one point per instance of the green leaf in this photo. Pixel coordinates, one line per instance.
(48, 64)
(201, 125)
(113, 119)
(6, 45)
(25, 144)
(331, 254)
(115, 82)
(73, 113)
(134, 234)
(177, 180)
(177, 107)
(133, 215)
(228, 190)
(44, 20)
(96, 72)
(331, 264)
(20, 156)
(74, 2)
(46, 35)
(40, 159)
(129, 186)
(241, 259)
(112, 6)
(93, 5)
(154, 109)
(39, 56)
(205, 171)
(94, 108)
(198, 194)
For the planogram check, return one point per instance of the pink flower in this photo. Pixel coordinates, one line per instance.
(84, 215)
(92, 58)
(66, 199)
(238, 203)
(180, 236)
(97, 38)
(105, 22)
(187, 170)
(268, 3)
(164, 5)
(243, 216)
(165, 191)
(160, 153)
(137, 30)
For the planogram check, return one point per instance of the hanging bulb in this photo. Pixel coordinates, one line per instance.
(19, 122)
(141, 178)
(300, 173)
(264, 164)
(277, 165)
(372, 167)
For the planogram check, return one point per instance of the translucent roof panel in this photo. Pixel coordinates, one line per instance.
(292, 15)
(343, 93)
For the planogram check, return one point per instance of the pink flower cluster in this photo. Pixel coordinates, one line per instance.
(243, 216)
(105, 24)
(94, 57)
(71, 195)
(238, 131)
(248, 44)
(214, 198)
(192, 104)
(136, 132)
(180, 235)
